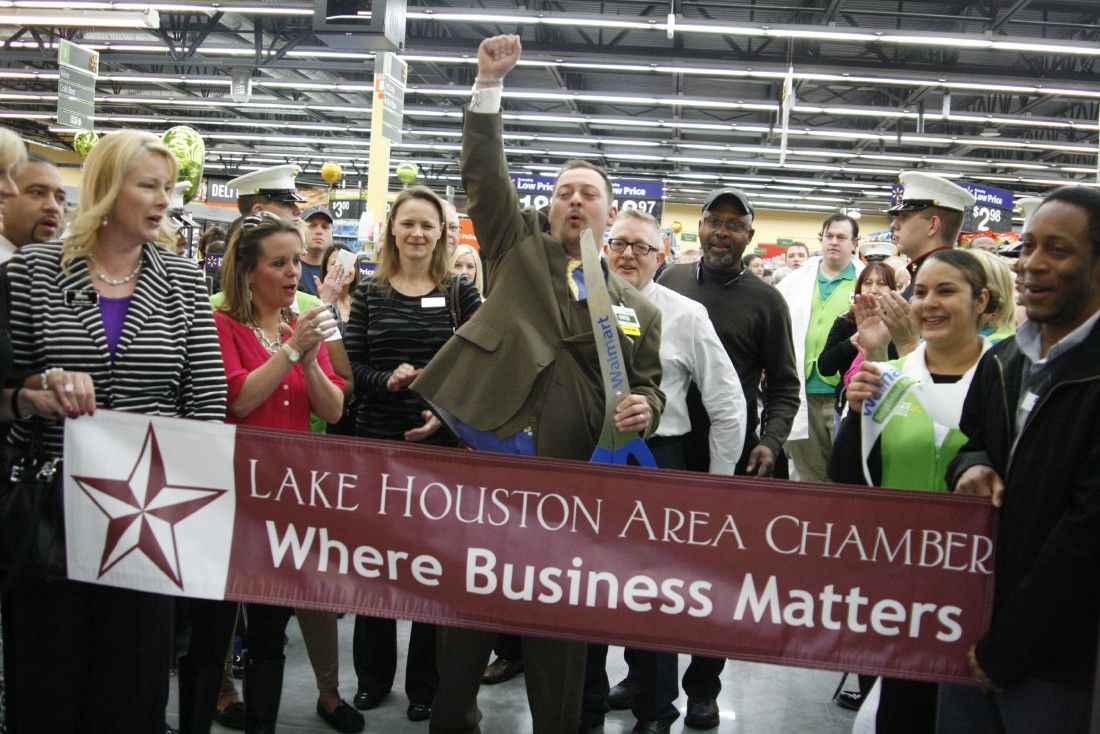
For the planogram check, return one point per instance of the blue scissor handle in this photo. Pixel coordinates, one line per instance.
(637, 449)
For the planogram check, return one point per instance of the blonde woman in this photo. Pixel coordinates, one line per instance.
(105, 319)
(467, 262)
(999, 320)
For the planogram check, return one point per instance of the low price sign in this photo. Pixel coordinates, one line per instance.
(876, 581)
(641, 194)
(992, 209)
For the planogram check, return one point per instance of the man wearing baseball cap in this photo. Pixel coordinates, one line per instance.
(754, 325)
(317, 221)
(929, 216)
(271, 190)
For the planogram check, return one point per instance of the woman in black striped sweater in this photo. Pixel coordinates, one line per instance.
(105, 319)
(400, 318)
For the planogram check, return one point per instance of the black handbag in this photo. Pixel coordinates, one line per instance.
(32, 521)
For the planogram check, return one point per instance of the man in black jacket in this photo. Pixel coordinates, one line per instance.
(1032, 417)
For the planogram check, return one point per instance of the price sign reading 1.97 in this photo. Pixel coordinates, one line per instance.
(645, 196)
(534, 201)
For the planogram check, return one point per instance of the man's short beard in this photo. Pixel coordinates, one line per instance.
(716, 261)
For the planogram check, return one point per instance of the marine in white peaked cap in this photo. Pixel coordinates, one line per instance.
(270, 189)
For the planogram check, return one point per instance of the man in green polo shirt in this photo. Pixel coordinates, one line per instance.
(817, 293)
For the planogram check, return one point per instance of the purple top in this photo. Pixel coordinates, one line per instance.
(113, 312)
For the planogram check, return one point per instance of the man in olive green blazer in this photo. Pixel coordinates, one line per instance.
(526, 364)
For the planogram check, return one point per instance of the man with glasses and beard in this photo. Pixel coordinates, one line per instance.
(754, 325)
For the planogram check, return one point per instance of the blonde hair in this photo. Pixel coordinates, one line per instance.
(104, 173)
(1000, 314)
(479, 280)
(12, 150)
(389, 263)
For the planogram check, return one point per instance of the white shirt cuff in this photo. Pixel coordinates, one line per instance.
(486, 100)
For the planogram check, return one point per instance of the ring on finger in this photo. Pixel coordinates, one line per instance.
(318, 330)
(69, 387)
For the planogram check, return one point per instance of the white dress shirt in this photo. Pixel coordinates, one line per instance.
(7, 249)
(691, 352)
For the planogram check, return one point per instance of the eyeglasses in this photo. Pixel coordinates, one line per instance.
(735, 226)
(640, 249)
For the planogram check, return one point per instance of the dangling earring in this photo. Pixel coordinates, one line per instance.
(104, 222)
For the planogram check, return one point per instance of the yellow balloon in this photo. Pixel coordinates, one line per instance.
(677, 227)
(331, 172)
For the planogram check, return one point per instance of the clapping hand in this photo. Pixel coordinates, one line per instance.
(894, 312)
(329, 289)
(404, 374)
(872, 335)
(311, 328)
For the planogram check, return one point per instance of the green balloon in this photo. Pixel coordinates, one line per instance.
(84, 141)
(407, 172)
(187, 147)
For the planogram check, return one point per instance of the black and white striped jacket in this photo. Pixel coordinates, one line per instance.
(167, 362)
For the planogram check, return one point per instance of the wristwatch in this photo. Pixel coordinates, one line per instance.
(291, 353)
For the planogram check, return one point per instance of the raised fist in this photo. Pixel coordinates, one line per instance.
(498, 55)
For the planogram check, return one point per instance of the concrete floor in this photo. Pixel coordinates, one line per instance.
(755, 699)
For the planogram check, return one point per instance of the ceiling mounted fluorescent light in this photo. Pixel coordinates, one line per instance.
(161, 7)
(588, 21)
(80, 19)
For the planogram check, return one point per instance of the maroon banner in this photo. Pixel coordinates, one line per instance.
(863, 580)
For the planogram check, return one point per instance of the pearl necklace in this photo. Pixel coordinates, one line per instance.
(118, 281)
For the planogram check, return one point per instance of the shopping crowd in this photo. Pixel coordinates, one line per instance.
(491, 349)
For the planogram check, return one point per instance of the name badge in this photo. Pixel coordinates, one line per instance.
(628, 320)
(81, 298)
(433, 302)
(1029, 402)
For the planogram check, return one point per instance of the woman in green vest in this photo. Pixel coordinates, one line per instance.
(949, 300)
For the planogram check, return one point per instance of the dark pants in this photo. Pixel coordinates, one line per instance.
(88, 658)
(212, 624)
(701, 679)
(553, 674)
(374, 651)
(509, 647)
(654, 673)
(1032, 705)
(906, 707)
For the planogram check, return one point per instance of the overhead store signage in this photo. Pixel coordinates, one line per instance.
(992, 209)
(77, 70)
(217, 192)
(644, 195)
(390, 76)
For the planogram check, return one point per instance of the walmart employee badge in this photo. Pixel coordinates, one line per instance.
(628, 320)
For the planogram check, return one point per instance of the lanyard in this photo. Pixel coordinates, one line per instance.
(614, 447)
